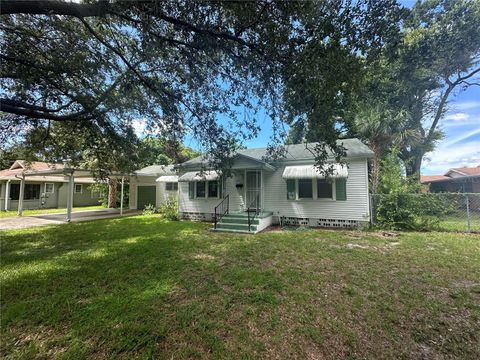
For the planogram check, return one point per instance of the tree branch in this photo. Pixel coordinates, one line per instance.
(443, 101)
(53, 7)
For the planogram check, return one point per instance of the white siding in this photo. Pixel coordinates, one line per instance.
(236, 196)
(274, 192)
(354, 208)
(163, 194)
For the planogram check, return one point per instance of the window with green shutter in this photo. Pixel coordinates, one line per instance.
(341, 189)
(191, 190)
(291, 190)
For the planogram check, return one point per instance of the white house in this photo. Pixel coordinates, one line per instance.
(152, 185)
(286, 191)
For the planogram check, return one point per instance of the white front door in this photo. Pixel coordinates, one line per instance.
(253, 189)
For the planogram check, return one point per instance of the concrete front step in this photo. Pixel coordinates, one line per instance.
(237, 220)
(241, 227)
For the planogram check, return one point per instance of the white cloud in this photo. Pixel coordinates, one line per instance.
(462, 137)
(466, 105)
(139, 126)
(459, 116)
(447, 156)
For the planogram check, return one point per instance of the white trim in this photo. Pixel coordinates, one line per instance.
(75, 189)
(206, 189)
(312, 172)
(45, 188)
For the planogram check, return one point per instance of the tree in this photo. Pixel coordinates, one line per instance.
(381, 128)
(163, 151)
(438, 57)
(336, 41)
(97, 67)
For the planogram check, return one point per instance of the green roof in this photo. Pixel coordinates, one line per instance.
(354, 148)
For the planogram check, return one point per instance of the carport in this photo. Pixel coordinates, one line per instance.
(71, 174)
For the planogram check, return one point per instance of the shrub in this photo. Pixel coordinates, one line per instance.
(149, 209)
(169, 209)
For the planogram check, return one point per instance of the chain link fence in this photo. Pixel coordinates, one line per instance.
(428, 211)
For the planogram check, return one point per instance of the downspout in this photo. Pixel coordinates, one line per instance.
(7, 193)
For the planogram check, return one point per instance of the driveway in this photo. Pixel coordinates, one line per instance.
(22, 222)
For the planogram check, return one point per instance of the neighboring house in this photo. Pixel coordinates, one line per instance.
(288, 191)
(42, 191)
(463, 179)
(152, 185)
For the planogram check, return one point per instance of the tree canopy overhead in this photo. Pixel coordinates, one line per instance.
(93, 68)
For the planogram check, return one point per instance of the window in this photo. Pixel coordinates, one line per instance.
(31, 191)
(341, 189)
(200, 191)
(49, 188)
(191, 190)
(291, 189)
(171, 186)
(305, 189)
(213, 189)
(78, 188)
(324, 189)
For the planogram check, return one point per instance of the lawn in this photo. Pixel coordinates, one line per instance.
(8, 214)
(141, 287)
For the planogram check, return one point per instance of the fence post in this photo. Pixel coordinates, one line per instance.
(468, 213)
(370, 199)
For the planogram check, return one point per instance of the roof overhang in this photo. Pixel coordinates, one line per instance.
(200, 176)
(313, 172)
(167, 178)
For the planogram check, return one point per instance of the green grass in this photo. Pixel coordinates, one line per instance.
(9, 214)
(459, 223)
(142, 287)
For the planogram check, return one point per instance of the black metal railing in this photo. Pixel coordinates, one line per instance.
(255, 210)
(220, 210)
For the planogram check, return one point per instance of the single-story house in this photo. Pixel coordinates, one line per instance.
(286, 191)
(42, 191)
(462, 179)
(152, 185)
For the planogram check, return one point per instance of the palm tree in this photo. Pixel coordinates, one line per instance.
(382, 129)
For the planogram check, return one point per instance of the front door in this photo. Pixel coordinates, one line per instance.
(253, 189)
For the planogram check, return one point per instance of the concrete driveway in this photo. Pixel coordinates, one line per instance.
(22, 222)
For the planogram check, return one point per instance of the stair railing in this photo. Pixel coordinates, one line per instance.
(221, 210)
(254, 210)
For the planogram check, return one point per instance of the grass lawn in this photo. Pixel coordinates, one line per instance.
(141, 287)
(8, 214)
(459, 223)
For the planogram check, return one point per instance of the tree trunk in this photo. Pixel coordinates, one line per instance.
(413, 162)
(375, 172)
(112, 193)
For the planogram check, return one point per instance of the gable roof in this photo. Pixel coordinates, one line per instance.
(465, 171)
(432, 178)
(354, 148)
(156, 170)
(20, 167)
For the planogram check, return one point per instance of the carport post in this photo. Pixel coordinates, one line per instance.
(70, 197)
(121, 198)
(21, 195)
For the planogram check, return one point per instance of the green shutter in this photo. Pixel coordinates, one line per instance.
(191, 190)
(341, 189)
(291, 189)
(220, 188)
